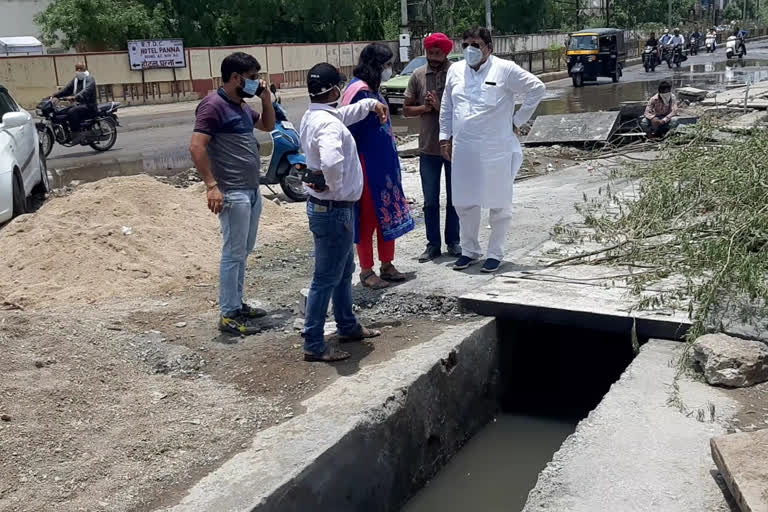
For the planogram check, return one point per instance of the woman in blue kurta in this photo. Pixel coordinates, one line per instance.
(383, 208)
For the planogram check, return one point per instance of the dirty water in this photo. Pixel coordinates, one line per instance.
(604, 95)
(497, 468)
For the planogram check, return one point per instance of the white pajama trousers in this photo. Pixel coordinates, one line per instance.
(470, 218)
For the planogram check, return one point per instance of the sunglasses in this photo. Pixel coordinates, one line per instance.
(473, 45)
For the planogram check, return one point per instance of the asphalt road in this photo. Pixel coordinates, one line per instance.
(153, 139)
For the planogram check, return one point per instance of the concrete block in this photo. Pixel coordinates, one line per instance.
(692, 93)
(732, 362)
(743, 461)
(584, 127)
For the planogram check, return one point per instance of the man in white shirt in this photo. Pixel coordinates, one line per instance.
(335, 185)
(478, 132)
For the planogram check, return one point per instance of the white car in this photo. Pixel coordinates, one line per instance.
(23, 170)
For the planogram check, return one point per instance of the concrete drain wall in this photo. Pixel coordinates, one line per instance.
(370, 440)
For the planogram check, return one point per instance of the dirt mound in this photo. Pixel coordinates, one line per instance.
(116, 238)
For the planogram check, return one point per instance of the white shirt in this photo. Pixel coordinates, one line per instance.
(329, 147)
(478, 111)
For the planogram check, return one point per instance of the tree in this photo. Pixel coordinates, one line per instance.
(95, 25)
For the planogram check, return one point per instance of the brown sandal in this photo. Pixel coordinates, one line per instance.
(331, 355)
(390, 273)
(365, 334)
(370, 280)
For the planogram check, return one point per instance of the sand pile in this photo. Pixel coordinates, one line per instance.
(119, 237)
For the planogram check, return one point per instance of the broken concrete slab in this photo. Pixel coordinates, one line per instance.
(743, 462)
(409, 149)
(754, 103)
(637, 451)
(583, 127)
(692, 93)
(371, 438)
(732, 362)
(747, 122)
(582, 295)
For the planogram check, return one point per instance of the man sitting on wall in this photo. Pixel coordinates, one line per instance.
(81, 91)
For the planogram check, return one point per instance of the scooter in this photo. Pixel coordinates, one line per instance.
(287, 161)
(711, 43)
(650, 59)
(734, 48)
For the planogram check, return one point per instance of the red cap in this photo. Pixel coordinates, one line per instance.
(439, 40)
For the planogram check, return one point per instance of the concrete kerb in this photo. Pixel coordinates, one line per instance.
(648, 438)
(369, 440)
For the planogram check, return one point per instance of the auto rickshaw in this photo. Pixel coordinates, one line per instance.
(596, 52)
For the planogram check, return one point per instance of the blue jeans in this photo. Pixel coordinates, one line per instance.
(334, 232)
(431, 168)
(239, 224)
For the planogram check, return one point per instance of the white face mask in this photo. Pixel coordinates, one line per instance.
(473, 55)
(81, 74)
(666, 96)
(386, 74)
(335, 103)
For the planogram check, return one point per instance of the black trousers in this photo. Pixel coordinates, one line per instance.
(76, 114)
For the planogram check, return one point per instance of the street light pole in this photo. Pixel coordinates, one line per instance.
(488, 20)
(669, 13)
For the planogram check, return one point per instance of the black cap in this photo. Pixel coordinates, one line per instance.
(322, 78)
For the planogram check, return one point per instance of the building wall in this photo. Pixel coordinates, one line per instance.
(31, 78)
(16, 17)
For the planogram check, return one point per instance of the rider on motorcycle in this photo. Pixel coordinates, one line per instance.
(653, 43)
(713, 34)
(676, 39)
(740, 35)
(82, 92)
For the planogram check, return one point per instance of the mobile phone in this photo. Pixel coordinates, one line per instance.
(310, 177)
(259, 90)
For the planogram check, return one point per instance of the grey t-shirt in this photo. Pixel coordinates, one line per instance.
(233, 149)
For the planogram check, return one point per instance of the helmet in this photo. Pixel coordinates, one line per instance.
(666, 31)
(677, 30)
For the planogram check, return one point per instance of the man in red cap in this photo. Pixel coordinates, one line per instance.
(422, 99)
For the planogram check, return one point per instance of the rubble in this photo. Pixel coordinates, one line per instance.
(732, 362)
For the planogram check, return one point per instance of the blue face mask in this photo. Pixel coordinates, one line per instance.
(249, 87)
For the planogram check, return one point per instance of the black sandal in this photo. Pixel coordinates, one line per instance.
(331, 355)
(365, 334)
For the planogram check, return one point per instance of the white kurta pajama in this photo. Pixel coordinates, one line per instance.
(478, 111)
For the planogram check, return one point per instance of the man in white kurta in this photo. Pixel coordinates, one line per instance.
(478, 132)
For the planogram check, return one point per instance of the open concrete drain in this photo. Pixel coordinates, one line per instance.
(551, 377)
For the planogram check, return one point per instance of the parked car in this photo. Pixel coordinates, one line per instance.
(394, 89)
(23, 170)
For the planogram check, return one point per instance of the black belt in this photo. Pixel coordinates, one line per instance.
(331, 204)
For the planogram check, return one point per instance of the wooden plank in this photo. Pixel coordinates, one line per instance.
(743, 461)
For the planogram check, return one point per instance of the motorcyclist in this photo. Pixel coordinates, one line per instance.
(713, 34)
(677, 39)
(653, 43)
(82, 92)
(695, 38)
(664, 42)
(740, 35)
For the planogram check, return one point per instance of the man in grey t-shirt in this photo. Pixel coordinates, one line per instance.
(226, 153)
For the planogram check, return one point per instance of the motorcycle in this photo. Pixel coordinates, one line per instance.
(694, 45)
(99, 131)
(734, 47)
(287, 162)
(650, 59)
(711, 43)
(675, 56)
